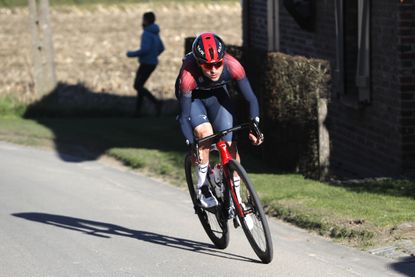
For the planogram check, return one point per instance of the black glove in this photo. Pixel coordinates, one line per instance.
(255, 129)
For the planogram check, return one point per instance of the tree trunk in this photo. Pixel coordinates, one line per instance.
(42, 47)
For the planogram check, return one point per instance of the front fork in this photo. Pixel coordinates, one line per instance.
(232, 193)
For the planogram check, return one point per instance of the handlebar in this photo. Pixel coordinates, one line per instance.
(217, 136)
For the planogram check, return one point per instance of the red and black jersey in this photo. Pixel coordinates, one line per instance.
(191, 76)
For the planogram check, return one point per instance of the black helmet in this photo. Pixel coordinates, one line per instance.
(208, 48)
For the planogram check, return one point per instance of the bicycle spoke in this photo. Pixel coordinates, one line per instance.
(253, 220)
(215, 227)
(257, 230)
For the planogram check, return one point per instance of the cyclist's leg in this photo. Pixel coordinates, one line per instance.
(202, 128)
(201, 131)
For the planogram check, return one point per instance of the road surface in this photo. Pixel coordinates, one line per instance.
(60, 218)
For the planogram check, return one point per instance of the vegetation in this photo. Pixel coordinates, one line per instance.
(11, 106)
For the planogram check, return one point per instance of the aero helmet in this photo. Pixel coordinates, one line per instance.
(208, 48)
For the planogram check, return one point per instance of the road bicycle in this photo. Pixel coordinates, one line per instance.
(244, 208)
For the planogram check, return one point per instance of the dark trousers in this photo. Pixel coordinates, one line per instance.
(143, 73)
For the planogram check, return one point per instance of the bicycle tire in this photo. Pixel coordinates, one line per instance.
(258, 233)
(215, 225)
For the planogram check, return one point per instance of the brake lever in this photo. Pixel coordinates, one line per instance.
(196, 150)
(257, 132)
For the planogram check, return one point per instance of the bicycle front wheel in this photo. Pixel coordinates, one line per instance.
(253, 221)
(214, 222)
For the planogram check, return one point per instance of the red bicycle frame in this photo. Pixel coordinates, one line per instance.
(225, 157)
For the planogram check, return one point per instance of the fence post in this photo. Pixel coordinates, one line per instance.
(42, 47)
(323, 139)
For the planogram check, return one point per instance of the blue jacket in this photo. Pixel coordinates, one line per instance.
(151, 46)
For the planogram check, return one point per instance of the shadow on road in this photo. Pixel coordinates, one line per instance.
(106, 230)
(85, 123)
(406, 266)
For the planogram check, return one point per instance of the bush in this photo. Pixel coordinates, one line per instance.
(288, 89)
(292, 87)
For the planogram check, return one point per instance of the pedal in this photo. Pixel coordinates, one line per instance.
(199, 207)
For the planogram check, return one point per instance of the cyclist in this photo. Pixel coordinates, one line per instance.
(201, 88)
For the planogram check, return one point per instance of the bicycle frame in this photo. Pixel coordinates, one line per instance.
(225, 156)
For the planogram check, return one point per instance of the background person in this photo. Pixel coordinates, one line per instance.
(151, 47)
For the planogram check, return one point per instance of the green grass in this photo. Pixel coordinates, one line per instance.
(11, 106)
(165, 164)
(339, 211)
(20, 3)
(360, 213)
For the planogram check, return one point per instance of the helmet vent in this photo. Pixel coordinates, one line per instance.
(211, 52)
(208, 48)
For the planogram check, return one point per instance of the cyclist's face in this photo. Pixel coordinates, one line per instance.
(212, 70)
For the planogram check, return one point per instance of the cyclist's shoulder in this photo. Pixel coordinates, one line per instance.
(188, 73)
(229, 57)
(189, 66)
(234, 67)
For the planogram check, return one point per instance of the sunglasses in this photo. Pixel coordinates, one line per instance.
(209, 66)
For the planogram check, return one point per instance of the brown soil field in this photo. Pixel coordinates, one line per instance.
(90, 44)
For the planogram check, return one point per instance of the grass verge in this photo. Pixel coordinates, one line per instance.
(11, 106)
(364, 214)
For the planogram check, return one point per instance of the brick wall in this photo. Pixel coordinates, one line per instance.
(406, 48)
(319, 44)
(365, 141)
(377, 139)
(257, 24)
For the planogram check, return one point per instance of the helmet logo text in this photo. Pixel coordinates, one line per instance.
(200, 50)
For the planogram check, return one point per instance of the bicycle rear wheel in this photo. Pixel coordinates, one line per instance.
(214, 222)
(253, 222)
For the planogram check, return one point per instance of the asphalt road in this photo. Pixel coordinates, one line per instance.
(60, 218)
